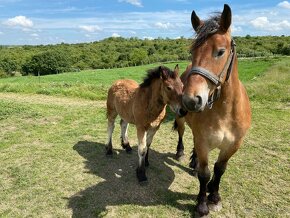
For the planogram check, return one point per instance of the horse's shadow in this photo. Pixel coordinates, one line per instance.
(119, 184)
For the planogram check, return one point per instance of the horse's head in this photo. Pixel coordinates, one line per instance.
(211, 58)
(171, 89)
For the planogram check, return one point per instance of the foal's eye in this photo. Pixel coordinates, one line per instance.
(169, 88)
(220, 52)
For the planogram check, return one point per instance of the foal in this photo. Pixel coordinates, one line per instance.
(219, 109)
(145, 106)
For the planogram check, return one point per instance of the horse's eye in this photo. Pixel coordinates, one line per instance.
(220, 52)
(169, 88)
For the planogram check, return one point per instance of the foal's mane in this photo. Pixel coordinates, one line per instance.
(156, 73)
(208, 28)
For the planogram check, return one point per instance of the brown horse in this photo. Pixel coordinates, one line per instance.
(145, 106)
(219, 109)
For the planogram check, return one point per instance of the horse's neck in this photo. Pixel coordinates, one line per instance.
(155, 103)
(231, 88)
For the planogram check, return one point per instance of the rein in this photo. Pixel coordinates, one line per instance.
(217, 80)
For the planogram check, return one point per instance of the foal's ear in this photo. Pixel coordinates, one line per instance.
(226, 18)
(163, 73)
(176, 70)
(195, 21)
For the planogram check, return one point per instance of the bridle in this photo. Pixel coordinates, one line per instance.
(219, 80)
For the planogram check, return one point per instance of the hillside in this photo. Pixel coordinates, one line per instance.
(120, 52)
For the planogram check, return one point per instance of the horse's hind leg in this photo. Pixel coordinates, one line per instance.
(179, 126)
(111, 114)
(124, 136)
(219, 169)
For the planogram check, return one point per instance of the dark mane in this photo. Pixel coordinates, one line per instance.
(209, 27)
(156, 74)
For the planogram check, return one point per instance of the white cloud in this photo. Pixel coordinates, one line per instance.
(163, 25)
(137, 3)
(148, 37)
(284, 4)
(260, 22)
(115, 35)
(237, 29)
(19, 21)
(90, 28)
(34, 35)
(265, 24)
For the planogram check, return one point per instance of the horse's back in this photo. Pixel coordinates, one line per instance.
(121, 96)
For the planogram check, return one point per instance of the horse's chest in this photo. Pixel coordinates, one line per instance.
(220, 138)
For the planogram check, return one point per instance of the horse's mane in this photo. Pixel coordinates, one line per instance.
(208, 28)
(155, 74)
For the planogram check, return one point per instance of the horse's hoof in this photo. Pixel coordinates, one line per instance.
(109, 152)
(141, 176)
(128, 149)
(202, 209)
(215, 207)
(146, 163)
(214, 198)
(179, 155)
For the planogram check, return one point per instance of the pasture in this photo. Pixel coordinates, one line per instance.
(53, 163)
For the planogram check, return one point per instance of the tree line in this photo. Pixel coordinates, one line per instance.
(120, 52)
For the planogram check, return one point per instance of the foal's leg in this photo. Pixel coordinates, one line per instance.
(124, 136)
(203, 177)
(180, 127)
(219, 169)
(142, 150)
(150, 135)
(111, 125)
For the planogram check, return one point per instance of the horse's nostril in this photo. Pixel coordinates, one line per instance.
(192, 103)
(198, 101)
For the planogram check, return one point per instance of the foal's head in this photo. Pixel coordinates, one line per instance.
(170, 87)
(210, 52)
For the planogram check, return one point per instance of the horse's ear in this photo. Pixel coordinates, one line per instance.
(176, 70)
(226, 18)
(163, 73)
(195, 21)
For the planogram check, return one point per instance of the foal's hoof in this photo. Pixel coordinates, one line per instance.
(179, 155)
(109, 152)
(141, 176)
(202, 209)
(127, 147)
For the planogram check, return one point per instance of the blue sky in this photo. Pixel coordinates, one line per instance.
(74, 21)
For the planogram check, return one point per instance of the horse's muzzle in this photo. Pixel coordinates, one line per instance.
(193, 104)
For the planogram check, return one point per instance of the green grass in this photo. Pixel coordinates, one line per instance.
(53, 162)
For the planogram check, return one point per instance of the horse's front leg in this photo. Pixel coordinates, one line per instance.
(142, 150)
(219, 169)
(150, 134)
(203, 177)
(180, 127)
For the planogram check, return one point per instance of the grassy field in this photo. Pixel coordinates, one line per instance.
(53, 162)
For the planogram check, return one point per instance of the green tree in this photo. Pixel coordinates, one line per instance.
(50, 62)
